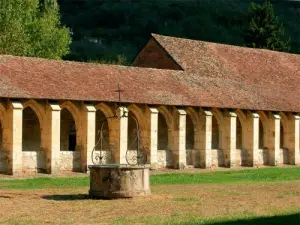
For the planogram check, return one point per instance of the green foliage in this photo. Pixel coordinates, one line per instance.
(28, 28)
(264, 29)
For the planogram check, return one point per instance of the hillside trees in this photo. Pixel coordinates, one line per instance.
(31, 28)
(264, 29)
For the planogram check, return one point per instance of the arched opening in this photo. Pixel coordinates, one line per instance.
(31, 140)
(164, 156)
(162, 133)
(33, 158)
(132, 143)
(67, 131)
(239, 134)
(189, 140)
(261, 135)
(215, 133)
(281, 136)
(102, 132)
(69, 157)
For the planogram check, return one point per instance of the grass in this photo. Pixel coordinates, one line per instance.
(241, 197)
(216, 177)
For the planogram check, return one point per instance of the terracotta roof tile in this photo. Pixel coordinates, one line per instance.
(217, 78)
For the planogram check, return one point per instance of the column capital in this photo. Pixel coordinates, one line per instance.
(153, 110)
(181, 111)
(207, 113)
(90, 108)
(254, 115)
(17, 105)
(55, 107)
(276, 116)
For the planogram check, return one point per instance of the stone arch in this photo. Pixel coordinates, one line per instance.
(284, 120)
(102, 131)
(73, 110)
(241, 121)
(105, 109)
(217, 129)
(167, 116)
(68, 130)
(263, 125)
(37, 108)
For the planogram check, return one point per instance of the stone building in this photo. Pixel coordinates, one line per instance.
(197, 104)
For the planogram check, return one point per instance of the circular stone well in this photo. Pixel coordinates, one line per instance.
(119, 181)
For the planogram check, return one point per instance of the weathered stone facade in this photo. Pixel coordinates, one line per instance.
(174, 137)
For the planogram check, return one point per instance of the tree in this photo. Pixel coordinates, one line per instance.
(32, 28)
(264, 28)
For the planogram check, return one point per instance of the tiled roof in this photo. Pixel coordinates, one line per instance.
(211, 86)
(247, 65)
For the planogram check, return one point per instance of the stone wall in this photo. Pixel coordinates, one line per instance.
(164, 158)
(241, 157)
(70, 161)
(263, 156)
(284, 156)
(33, 161)
(217, 158)
(3, 162)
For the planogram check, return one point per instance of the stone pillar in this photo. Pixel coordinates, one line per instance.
(293, 136)
(90, 136)
(52, 139)
(251, 139)
(13, 138)
(205, 139)
(273, 138)
(153, 137)
(179, 150)
(119, 135)
(230, 139)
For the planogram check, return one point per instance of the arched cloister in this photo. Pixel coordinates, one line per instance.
(190, 140)
(70, 155)
(3, 153)
(263, 152)
(102, 131)
(164, 153)
(133, 129)
(241, 129)
(33, 158)
(239, 134)
(215, 142)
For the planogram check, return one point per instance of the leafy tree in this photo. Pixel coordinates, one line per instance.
(31, 28)
(264, 29)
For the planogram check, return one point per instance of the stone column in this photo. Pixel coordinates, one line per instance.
(52, 139)
(153, 137)
(230, 139)
(293, 136)
(13, 138)
(179, 150)
(251, 139)
(273, 138)
(90, 136)
(119, 136)
(205, 139)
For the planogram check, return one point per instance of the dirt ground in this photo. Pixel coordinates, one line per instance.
(72, 206)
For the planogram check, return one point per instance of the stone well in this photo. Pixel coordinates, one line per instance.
(118, 181)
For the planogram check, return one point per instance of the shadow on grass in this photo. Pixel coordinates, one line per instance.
(292, 219)
(66, 197)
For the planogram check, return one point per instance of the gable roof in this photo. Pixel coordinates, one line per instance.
(247, 65)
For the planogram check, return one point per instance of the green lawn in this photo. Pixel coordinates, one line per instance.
(215, 177)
